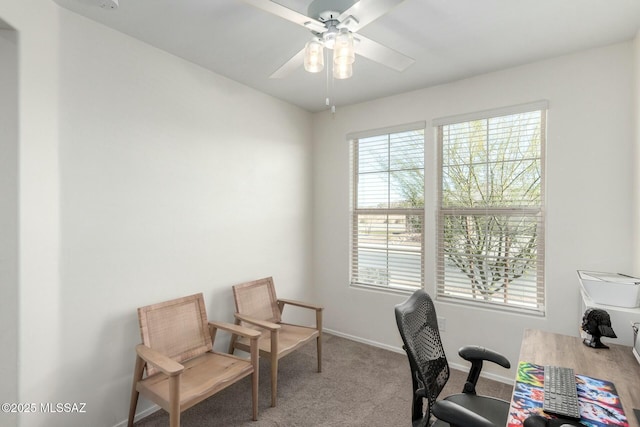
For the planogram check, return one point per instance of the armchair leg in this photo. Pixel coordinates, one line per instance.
(274, 379)
(174, 419)
(137, 376)
(319, 339)
(254, 395)
(274, 368)
(319, 344)
(255, 361)
(174, 401)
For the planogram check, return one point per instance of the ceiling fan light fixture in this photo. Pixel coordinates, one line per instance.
(343, 50)
(335, 25)
(342, 71)
(314, 56)
(329, 36)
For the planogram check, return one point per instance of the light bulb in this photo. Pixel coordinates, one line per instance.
(342, 71)
(343, 50)
(314, 56)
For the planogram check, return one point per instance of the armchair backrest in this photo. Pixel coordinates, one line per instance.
(258, 300)
(177, 328)
(418, 325)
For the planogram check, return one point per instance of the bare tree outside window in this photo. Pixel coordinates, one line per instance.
(490, 240)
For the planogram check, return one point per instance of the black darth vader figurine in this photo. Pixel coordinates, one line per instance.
(597, 323)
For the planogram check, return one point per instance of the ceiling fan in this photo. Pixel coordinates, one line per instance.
(334, 24)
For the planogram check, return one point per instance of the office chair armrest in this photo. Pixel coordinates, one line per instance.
(476, 355)
(458, 416)
(474, 352)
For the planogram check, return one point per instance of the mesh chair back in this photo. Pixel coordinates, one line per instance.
(177, 328)
(418, 326)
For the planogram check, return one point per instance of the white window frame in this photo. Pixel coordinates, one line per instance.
(385, 275)
(526, 296)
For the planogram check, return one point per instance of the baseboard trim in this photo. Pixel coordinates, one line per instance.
(363, 340)
(458, 366)
(140, 415)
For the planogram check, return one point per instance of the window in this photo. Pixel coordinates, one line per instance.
(490, 244)
(387, 240)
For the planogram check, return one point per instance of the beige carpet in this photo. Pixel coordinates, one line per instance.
(360, 385)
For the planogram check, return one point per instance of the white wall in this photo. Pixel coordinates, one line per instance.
(143, 177)
(174, 181)
(636, 176)
(36, 26)
(589, 188)
(9, 215)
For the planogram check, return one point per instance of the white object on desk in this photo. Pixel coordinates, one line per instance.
(614, 289)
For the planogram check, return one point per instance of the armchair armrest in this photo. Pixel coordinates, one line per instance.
(318, 309)
(153, 357)
(302, 304)
(236, 329)
(254, 349)
(457, 415)
(476, 355)
(261, 323)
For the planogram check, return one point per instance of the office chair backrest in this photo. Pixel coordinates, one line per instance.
(418, 326)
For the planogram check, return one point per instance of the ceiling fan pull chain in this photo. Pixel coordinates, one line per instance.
(327, 90)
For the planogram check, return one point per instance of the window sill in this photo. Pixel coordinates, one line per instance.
(383, 289)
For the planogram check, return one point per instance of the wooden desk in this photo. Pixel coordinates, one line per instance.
(617, 364)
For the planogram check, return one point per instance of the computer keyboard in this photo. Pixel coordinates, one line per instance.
(560, 392)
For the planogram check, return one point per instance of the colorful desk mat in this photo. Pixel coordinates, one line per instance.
(599, 402)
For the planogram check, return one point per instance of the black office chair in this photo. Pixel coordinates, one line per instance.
(418, 326)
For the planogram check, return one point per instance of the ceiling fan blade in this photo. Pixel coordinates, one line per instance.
(382, 54)
(288, 14)
(365, 12)
(289, 66)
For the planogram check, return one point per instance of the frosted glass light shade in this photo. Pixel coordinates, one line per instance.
(342, 71)
(343, 50)
(314, 56)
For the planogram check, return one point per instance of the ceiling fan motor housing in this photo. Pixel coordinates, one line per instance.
(328, 10)
(109, 4)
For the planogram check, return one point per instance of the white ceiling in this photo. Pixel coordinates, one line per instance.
(449, 39)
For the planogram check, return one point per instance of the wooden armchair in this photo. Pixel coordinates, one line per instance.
(177, 352)
(258, 307)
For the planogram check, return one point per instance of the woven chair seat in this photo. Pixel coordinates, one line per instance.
(203, 377)
(290, 337)
(177, 355)
(258, 307)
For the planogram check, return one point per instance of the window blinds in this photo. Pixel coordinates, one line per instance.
(387, 239)
(490, 244)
